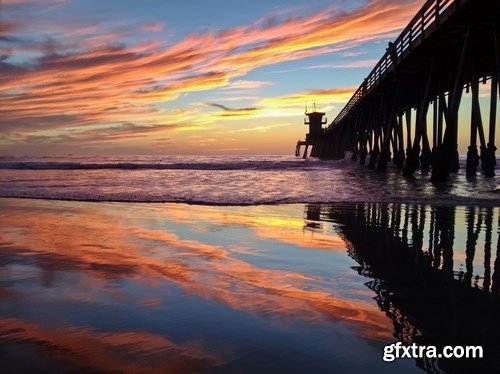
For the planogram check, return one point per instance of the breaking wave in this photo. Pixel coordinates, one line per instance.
(230, 180)
(240, 165)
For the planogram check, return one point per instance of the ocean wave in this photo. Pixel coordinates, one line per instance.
(240, 165)
(232, 180)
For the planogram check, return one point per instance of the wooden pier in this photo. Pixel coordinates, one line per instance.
(449, 47)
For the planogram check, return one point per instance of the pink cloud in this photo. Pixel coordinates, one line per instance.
(96, 80)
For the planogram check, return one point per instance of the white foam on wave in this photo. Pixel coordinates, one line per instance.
(235, 180)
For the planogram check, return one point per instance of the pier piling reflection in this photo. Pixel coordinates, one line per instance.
(437, 286)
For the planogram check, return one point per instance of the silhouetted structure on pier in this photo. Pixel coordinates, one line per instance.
(449, 46)
(315, 121)
(424, 278)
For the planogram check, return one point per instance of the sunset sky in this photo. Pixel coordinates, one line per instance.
(188, 77)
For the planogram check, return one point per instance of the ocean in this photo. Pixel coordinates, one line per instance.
(242, 264)
(229, 180)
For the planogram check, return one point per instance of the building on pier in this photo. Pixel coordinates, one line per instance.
(315, 120)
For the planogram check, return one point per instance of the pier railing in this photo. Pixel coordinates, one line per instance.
(420, 27)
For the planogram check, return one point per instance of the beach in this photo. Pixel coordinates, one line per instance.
(249, 187)
(155, 287)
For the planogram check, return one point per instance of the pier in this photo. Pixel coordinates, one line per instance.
(406, 111)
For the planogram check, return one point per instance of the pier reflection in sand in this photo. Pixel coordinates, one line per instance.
(169, 287)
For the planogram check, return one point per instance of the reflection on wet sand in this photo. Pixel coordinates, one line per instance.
(103, 243)
(435, 284)
(122, 351)
(109, 286)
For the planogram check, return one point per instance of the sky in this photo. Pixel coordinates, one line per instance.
(181, 77)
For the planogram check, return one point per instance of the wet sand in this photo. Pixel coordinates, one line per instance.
(285, 288)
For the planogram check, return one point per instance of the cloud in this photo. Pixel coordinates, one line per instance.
(101, 135)
(90, 76)
(9, 2)
(261, 128)
(246, 84)
(152, 27)
(324, 97)
(227, 109)
(232, 113)
(345, 65)
(352, 54)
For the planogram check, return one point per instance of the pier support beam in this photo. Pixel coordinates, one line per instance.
(400, 154)
(488, 159)
(385, 153)
(446, 155)
(377, 134)
(362, 156)
(476, 125)
(413, 160)
(374, 153)
(366, 138)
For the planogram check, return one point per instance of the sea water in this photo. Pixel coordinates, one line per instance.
(238, 180)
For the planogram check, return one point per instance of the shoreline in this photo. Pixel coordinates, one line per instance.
(483, 203)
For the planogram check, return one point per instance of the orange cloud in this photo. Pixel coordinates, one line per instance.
(324, 97)
(93, 81)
